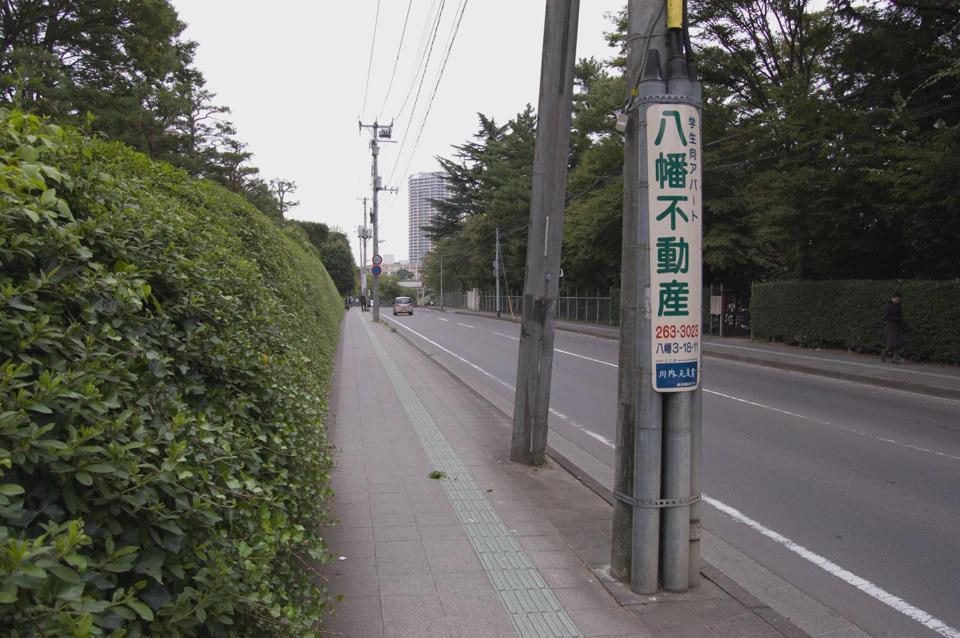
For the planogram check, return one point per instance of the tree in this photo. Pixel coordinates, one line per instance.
(124, 62)
(282, 189)
(102, 56)
(490, 181)
(389, 287)
(404, 275)
(593, 222)
(464, 182)
(338, 260)
(816, 121)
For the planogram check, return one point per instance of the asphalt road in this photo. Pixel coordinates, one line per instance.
(867, 479)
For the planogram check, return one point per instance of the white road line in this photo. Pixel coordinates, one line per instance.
(829, 566)
(794, 414)
(838, 427)
(465, 325)
(442, 319)
(581, 427)
(580, 356)
(507, 336)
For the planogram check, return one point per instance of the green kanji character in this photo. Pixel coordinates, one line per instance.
(672, 169)
(672, 209)
(674, 296)
(663, 126)
(672, 255)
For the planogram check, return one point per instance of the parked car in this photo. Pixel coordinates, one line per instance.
(402, 304)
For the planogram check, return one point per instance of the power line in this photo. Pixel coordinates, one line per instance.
(397, 61)
(423, 64)
(373, 44)
(423, 77)
(452, 38)
(446, 57)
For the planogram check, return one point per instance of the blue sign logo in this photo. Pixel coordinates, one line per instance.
(676, 375)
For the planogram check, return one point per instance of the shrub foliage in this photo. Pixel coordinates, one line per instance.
(849, 315)
(164, 356)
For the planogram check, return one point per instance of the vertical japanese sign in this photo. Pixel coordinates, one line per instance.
(674, 178)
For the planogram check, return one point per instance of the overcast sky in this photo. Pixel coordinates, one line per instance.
(295, 75)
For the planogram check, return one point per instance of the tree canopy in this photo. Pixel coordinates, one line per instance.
(830, 152)
(126, 64)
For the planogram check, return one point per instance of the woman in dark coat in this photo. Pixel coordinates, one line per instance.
(893, 317)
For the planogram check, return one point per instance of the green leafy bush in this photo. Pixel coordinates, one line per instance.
(849, 315)
(164, 356)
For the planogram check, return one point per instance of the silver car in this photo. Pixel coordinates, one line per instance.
(402, 304)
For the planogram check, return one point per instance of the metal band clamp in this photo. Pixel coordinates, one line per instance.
(661, 99)
(662, 503)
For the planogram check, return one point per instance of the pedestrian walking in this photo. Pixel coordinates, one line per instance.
(893, 318)
(363, 303)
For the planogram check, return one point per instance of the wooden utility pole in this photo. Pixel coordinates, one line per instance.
(542, 276)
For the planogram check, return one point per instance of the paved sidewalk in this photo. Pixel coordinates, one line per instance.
(491, 548)
(918, 378)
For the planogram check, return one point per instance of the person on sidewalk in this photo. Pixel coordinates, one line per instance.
(893, 317)
(363, 303)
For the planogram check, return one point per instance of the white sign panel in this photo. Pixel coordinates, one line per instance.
(674, 175)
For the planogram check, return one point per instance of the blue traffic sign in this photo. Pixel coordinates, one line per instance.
(376, 270)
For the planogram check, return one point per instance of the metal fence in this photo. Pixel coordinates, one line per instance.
(575, 305)
(456, 299)
(510, 304)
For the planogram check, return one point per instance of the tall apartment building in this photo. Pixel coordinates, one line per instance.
(422, 188)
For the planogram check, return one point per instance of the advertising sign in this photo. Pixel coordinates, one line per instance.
(674, 175)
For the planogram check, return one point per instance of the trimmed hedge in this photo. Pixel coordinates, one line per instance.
(849, 315)
(164, 360)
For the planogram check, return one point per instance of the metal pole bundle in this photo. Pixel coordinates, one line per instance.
(656, 526)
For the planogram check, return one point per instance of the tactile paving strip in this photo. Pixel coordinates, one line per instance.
(529, 601)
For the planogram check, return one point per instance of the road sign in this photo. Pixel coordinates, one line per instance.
(673, 160)
(377, 260)
(376, 270)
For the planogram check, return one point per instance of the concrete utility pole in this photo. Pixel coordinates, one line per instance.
(658, 415)
(380, 134)
(542, 277)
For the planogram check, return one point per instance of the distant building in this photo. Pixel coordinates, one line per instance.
(394, 267)
(422, 188)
